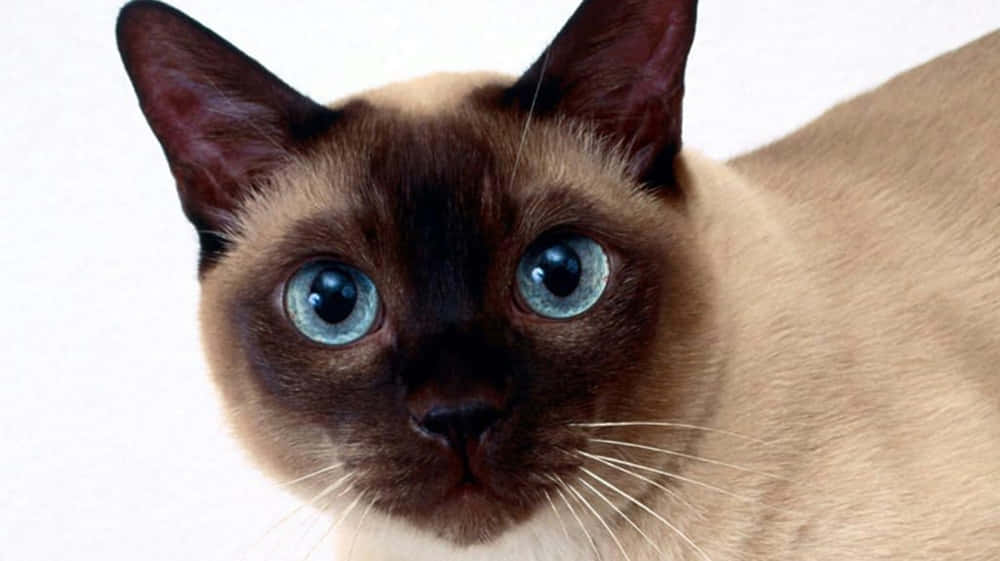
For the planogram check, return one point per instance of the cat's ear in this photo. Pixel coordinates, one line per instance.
(223, 120)
(619, 64)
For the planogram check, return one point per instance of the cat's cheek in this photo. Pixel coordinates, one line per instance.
(280, 365)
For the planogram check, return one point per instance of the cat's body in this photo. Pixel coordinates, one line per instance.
(833, 298)
(888, 211)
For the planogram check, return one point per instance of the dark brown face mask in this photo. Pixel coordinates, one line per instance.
(439, 326)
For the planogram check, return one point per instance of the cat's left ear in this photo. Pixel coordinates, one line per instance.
(619, 64)
(222, 119)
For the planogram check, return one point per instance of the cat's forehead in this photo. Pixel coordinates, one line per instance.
(438, 157)
(429, 95)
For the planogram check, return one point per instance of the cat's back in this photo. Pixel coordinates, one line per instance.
(921, 152)
(896, 193)
(890, 203)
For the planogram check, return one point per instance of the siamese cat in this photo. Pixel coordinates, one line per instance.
(479, 317)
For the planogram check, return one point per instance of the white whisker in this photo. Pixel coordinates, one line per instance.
(555, 511)
(600, 519)
(576, 516)
(653, 513)
(719, 490)
(322, 512)
(308, 528)
(335, 525)
(531, 112)
(668, 424)
(357, 530)
(641, 477)
(623, 515)
(310, 475)
(310, 503)
(687, 456)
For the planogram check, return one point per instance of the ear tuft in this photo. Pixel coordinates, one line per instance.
(619, 64)
(222, 119)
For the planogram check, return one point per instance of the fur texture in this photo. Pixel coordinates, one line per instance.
(856, 263)
(833, 298)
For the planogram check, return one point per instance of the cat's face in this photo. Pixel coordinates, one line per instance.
(427, 208)
(429, 294)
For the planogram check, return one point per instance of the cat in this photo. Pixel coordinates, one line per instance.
(480, 317)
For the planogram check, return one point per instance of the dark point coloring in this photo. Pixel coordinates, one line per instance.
(494, 318)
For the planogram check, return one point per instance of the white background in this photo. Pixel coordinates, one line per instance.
(110, 440)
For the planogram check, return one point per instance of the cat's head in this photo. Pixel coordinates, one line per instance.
(431, 286)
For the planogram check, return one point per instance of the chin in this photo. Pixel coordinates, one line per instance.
(465, 496)
(491, 538)
(469, 518)
(470, 515)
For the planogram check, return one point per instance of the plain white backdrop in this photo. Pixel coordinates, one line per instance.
(111, 445)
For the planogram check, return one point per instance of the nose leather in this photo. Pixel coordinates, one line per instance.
(462, 424)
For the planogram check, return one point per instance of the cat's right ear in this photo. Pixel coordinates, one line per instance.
(619, 65)
(222, 119)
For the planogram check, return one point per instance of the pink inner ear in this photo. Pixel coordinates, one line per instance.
(655, 100)
(215, 143)
(221, 117)
(662, 72)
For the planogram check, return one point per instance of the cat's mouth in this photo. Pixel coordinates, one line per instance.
(470, 512)
(469, 493)
(462, 488)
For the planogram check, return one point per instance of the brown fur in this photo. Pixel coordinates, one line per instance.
(314, 207)
(860, 304)
(834, 294)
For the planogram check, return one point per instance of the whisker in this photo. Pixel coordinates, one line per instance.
(653, 513)
(576, 516)
(600, 519)
(310, 475)
(688, 456)
(694, 482)
(555, 511)
(623, 515)
(669, 424)
(311, 503)
(335, 525)
(357, 530)
(531, 112)
(309, 528)
(318, 518)
(641, 477)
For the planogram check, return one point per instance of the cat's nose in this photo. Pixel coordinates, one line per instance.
(460, 425)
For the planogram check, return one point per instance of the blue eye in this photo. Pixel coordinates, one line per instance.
(563, 277)
(331, 303)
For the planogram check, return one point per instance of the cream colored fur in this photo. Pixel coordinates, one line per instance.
(858, 270)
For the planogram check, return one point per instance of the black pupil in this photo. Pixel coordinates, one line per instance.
(333, 295)
(559, 269)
